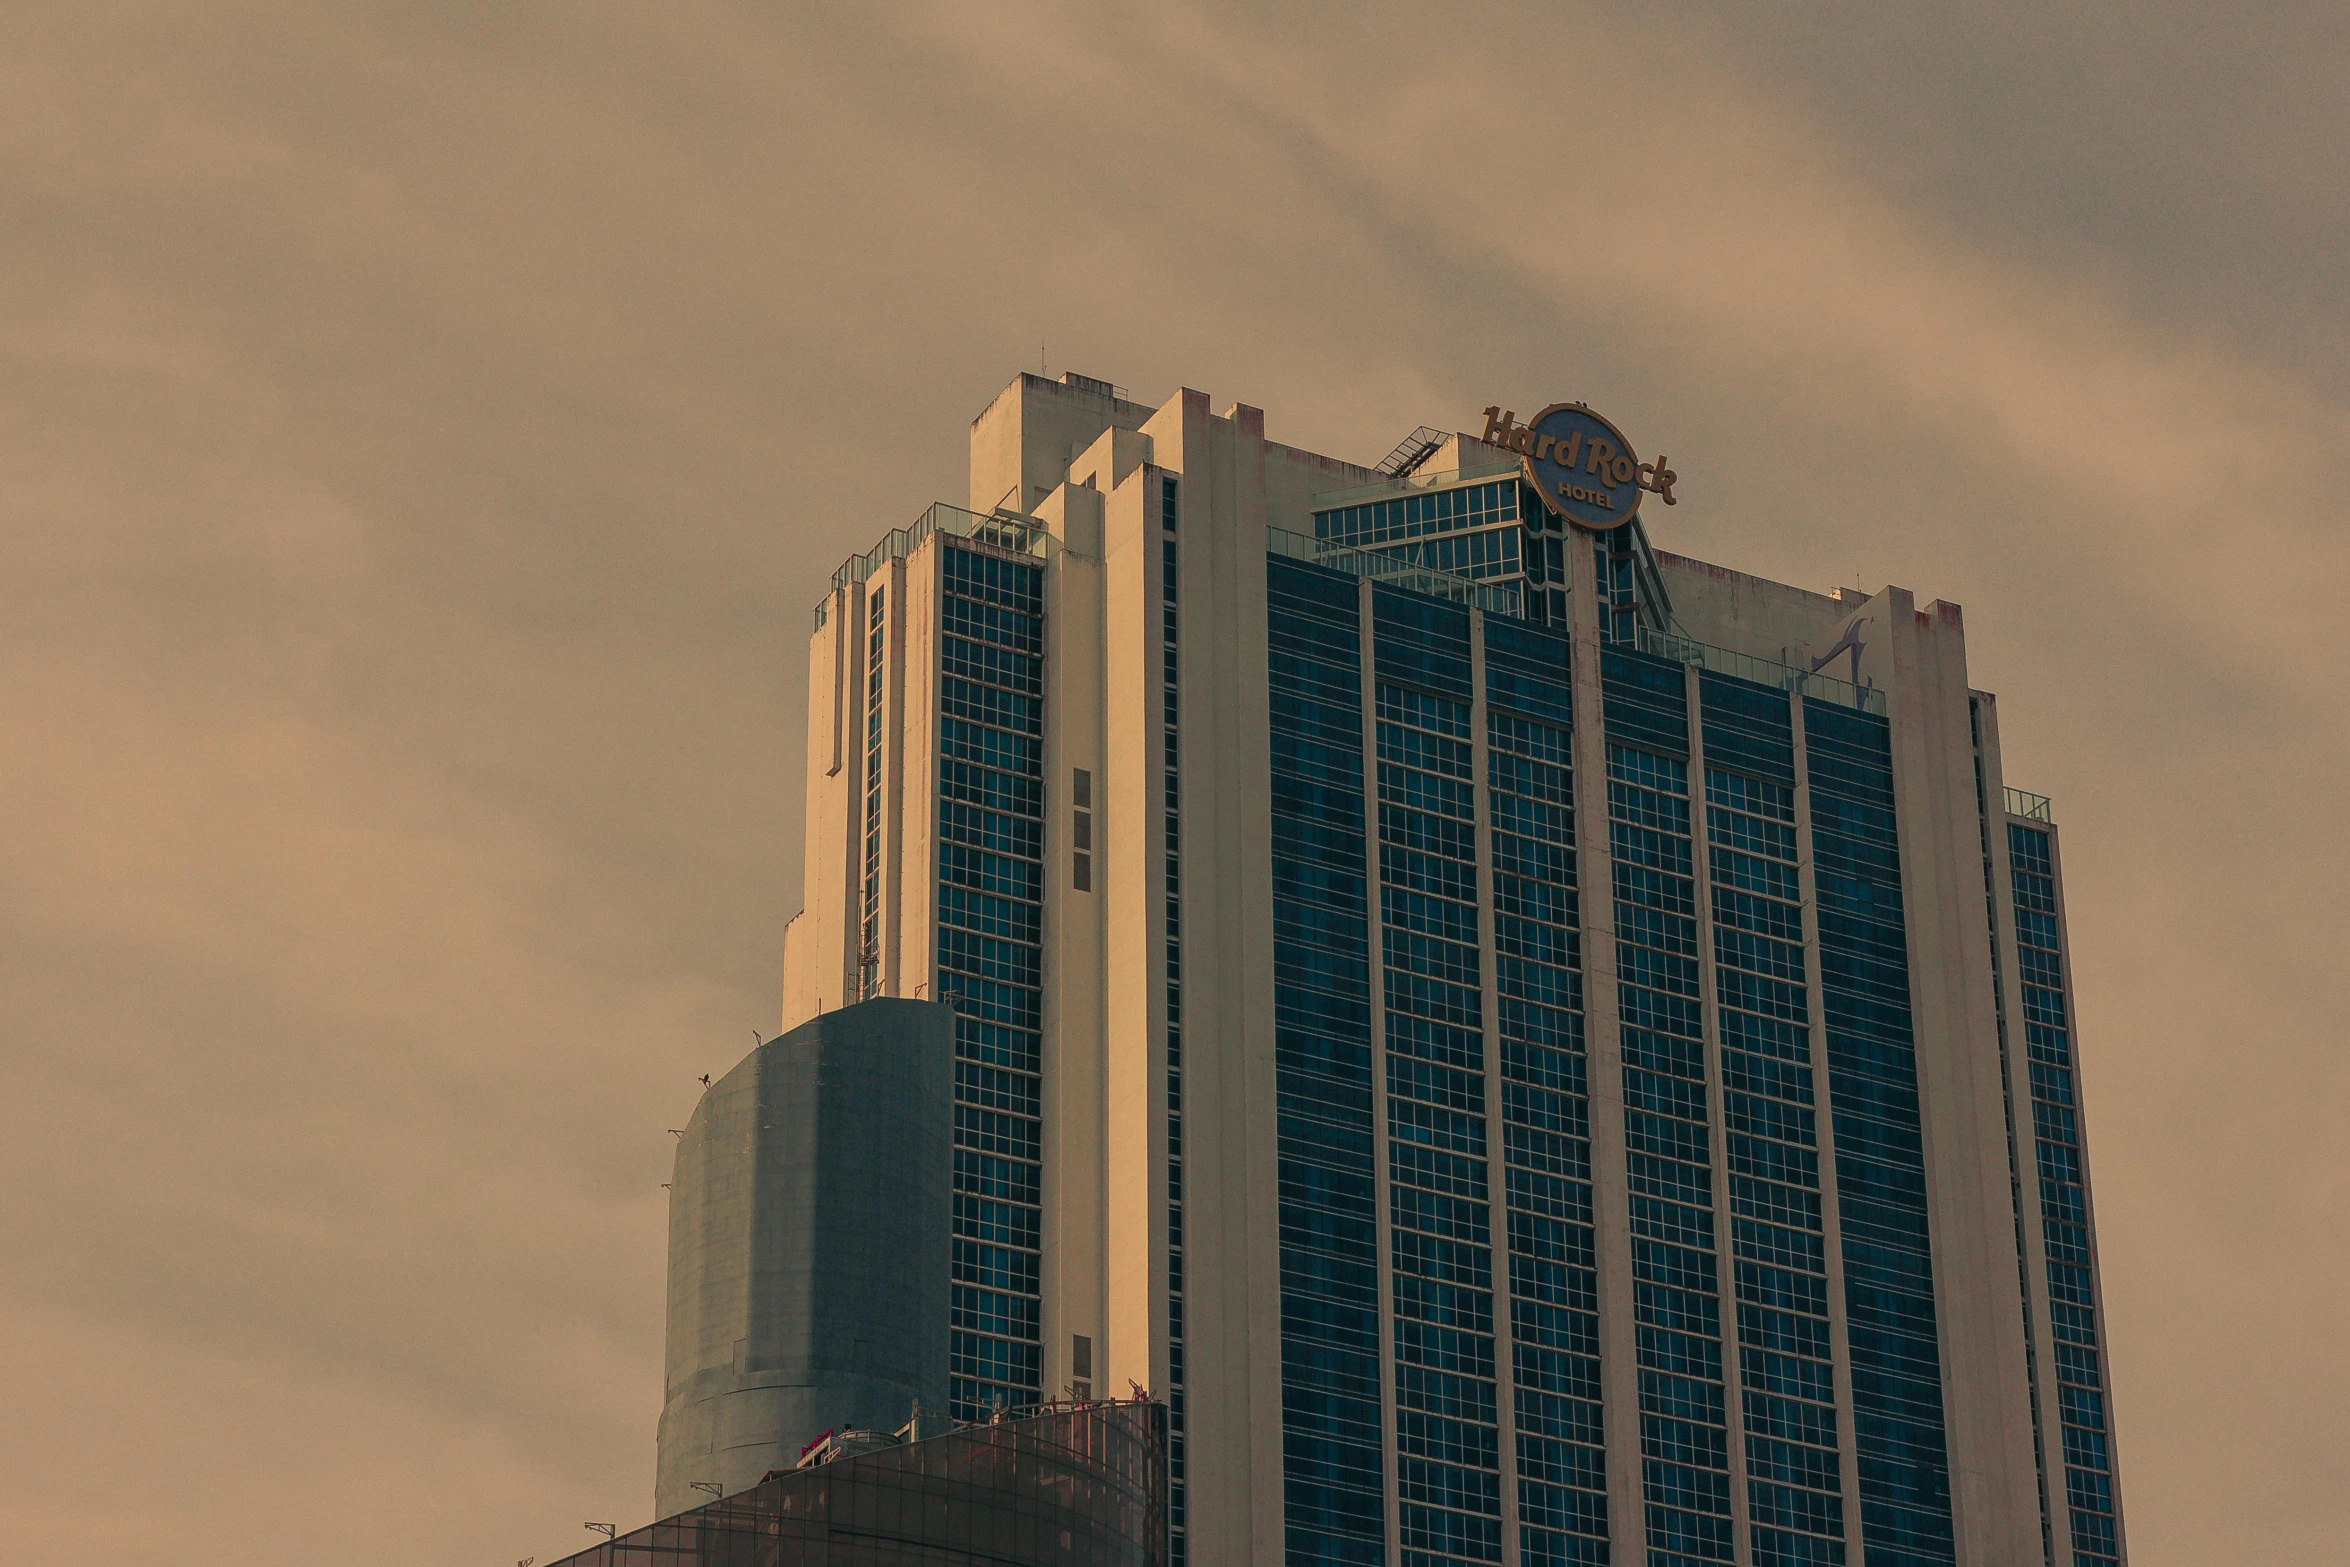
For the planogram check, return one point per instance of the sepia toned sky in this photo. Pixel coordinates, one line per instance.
(425, 429)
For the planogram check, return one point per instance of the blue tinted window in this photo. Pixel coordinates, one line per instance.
(1331, 1438)
(1872, 1084)
(990, 824)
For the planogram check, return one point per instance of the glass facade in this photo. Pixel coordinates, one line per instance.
(1171, 755)
(2064, 1200)
(1902, 1458)
(990, 842)
(1558, 1442)
(1786, 1372)
(1333, 1458)
(1459, 509)
(1085, 1487)
(1478, 1044)
(1768, 1131)
(1440, 1238)
(1492, 530)
(1668, 1130)
(1627, 587)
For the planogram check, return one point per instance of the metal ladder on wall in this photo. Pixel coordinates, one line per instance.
(1415, 449)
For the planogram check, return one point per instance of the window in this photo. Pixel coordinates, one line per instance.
(1417, 516)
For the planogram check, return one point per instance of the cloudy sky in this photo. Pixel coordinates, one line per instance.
(424, 430)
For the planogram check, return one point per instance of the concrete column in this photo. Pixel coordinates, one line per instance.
(1075, 1178)
(1986, 1413)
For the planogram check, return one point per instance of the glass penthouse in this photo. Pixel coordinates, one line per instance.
(1539, 1049)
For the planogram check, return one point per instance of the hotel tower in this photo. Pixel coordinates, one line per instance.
(1541, 1050)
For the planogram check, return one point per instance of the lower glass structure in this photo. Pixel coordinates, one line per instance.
(1082, 1487)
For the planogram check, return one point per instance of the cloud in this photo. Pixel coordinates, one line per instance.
(425, 432)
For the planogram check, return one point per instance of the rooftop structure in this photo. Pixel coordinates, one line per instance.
(1082, 1486)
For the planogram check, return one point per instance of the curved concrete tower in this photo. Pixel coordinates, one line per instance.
(809, 1226)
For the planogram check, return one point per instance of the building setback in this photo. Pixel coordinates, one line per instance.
(1541, 1050)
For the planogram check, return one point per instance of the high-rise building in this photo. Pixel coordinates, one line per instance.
(1540, 1049)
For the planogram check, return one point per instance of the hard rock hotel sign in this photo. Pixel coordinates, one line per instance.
(1584, 469)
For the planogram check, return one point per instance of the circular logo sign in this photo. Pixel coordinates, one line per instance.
(1581, 465)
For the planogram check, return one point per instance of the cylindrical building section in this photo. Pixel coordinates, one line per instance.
(809, 1246)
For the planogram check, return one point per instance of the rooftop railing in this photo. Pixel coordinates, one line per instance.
(1017, 535)
(1494, 598)
(2031, 807)
(1762, 671)
(1476, 468)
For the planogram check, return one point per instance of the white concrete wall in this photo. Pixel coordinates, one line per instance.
(819, 944)
(1130, 843)
(1603, 1043)
(1749, 614)
(1021, 446)
(1076, 1224)
(1986, 1406)
(1232, 1252)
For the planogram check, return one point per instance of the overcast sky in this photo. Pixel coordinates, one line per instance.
(425, 429)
